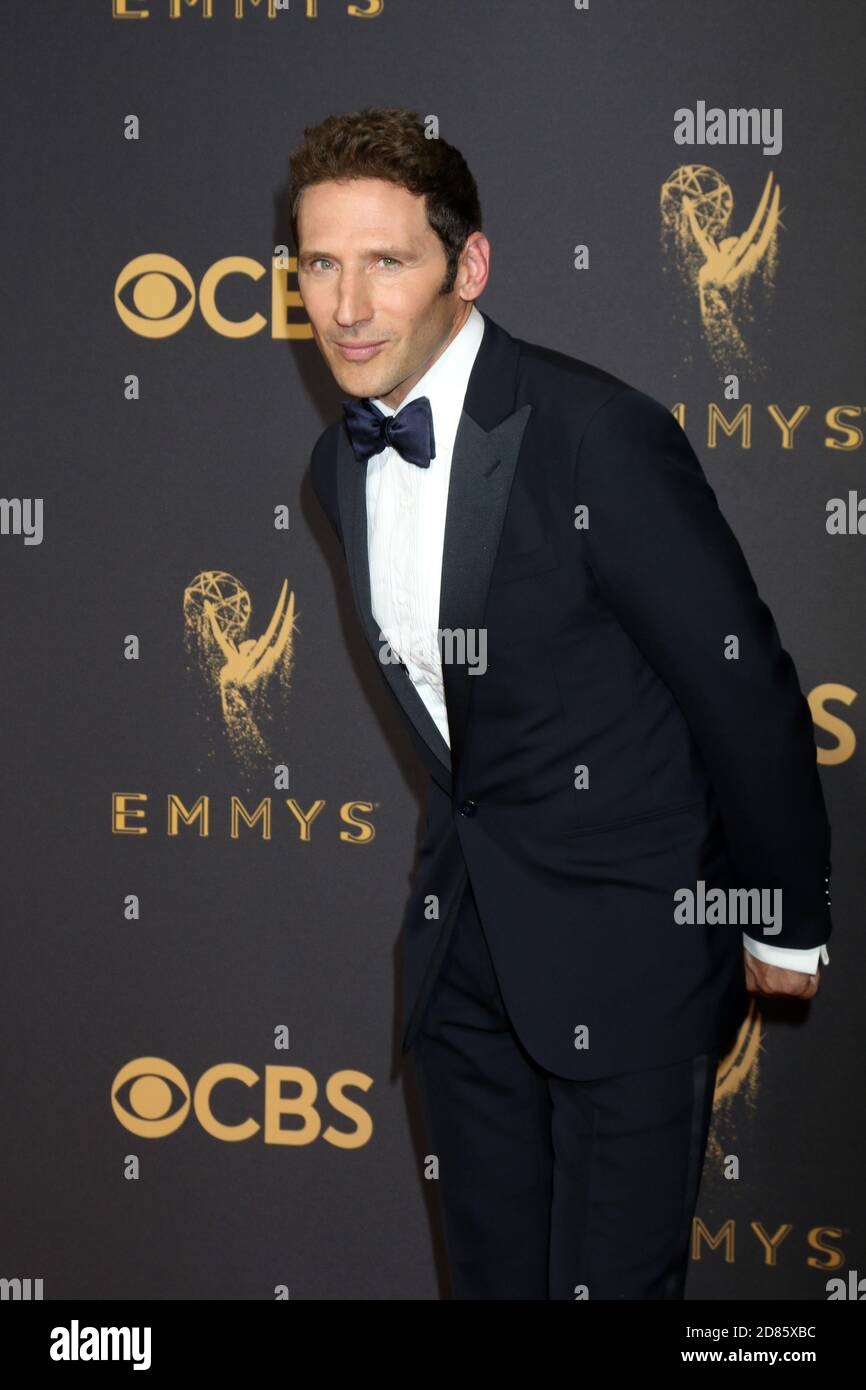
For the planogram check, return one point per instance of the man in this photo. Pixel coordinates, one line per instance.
(615, 731)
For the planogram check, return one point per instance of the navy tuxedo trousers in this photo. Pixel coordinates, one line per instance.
(552, 1188)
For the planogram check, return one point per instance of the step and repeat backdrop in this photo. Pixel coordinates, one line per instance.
(210, 810)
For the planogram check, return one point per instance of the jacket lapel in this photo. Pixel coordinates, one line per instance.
(482, 470)
(486, 451)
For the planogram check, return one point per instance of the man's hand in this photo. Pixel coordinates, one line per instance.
(773, 982)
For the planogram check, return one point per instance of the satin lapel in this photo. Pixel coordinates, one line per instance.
(482, 470)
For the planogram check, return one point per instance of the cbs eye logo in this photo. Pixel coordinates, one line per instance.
(153, 290)
(151, 1098)
(155, 296)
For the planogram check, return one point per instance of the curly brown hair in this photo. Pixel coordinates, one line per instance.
(389, 142)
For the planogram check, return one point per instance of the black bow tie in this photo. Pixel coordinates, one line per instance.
(410, 431)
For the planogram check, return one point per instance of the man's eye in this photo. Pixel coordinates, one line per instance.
(320, 260)
(392, 259)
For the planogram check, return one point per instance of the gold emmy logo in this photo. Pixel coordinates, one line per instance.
(696, 206)
(235, 668)
(737, 1075)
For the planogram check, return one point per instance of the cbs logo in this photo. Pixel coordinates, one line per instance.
(155, 296)
(151, 1097)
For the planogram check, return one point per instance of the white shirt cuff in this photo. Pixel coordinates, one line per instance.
(788, 957)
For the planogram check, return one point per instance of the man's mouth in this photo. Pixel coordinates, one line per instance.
(359, 352)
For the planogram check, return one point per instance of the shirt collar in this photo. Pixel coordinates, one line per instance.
(445, 382)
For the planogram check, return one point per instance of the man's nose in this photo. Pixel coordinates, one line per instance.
(353, 302)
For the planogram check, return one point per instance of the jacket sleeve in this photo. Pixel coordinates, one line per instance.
(673, 573)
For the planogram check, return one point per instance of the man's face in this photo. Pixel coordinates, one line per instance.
(369, 271)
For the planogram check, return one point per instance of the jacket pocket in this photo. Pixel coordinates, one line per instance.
(662, 813)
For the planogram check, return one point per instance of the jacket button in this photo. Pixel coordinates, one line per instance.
(467, 808)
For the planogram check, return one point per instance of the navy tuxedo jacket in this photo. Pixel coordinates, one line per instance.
(606, 651)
